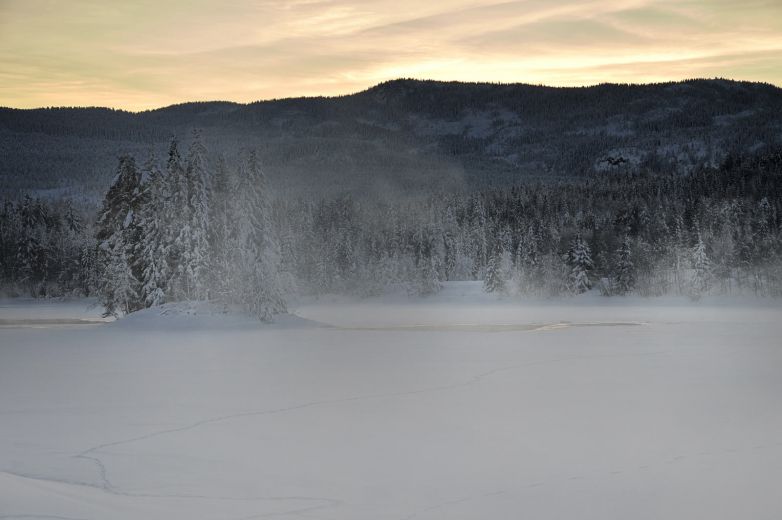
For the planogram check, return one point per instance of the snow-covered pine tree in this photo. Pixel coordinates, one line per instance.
(345, 256)
(579, 260)
(286, 266)
(700, 283)
(119, 289)
(73, 222)
(426, 279)
(255, 282)
(68, 242)
(624, 280)
(118, 235)
(194, 236)
(450, 250)
(220, 231)
(494, 281)
(154, 248)
(506, 268)
(29, 250)
(88, 271)
(554, 275)
(323, 276)
(176, 218)
(528, 270)
(478, 236)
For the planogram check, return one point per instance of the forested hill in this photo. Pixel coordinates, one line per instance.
(407, 135)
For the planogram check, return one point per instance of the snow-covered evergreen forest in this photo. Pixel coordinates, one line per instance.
(193, 225)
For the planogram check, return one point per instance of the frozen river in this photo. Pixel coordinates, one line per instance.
(445, 409)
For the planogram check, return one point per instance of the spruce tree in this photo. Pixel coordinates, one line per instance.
(194, 236)
(176, 221)
(426, 278)
(119, 289)
(624, 281)
(579, 260)
(529, 272)
(700, 282)
(494, 280)
(118, 234)
(154, 249)
(220, 231)
(255, 282)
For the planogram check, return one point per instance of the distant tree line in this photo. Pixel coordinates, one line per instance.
(716, 230)
(46, 249)
(195, 228)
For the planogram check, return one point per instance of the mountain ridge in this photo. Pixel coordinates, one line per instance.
(406, 135)
(390, 83)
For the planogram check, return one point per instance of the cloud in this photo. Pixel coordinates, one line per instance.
(553, 37)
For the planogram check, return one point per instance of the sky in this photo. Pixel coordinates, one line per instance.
(142, 54)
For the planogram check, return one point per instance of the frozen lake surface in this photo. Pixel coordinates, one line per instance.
(460, 406)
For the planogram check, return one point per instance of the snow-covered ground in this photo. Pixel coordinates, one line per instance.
(460, 406)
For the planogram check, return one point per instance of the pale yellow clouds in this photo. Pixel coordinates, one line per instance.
(139, 54)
